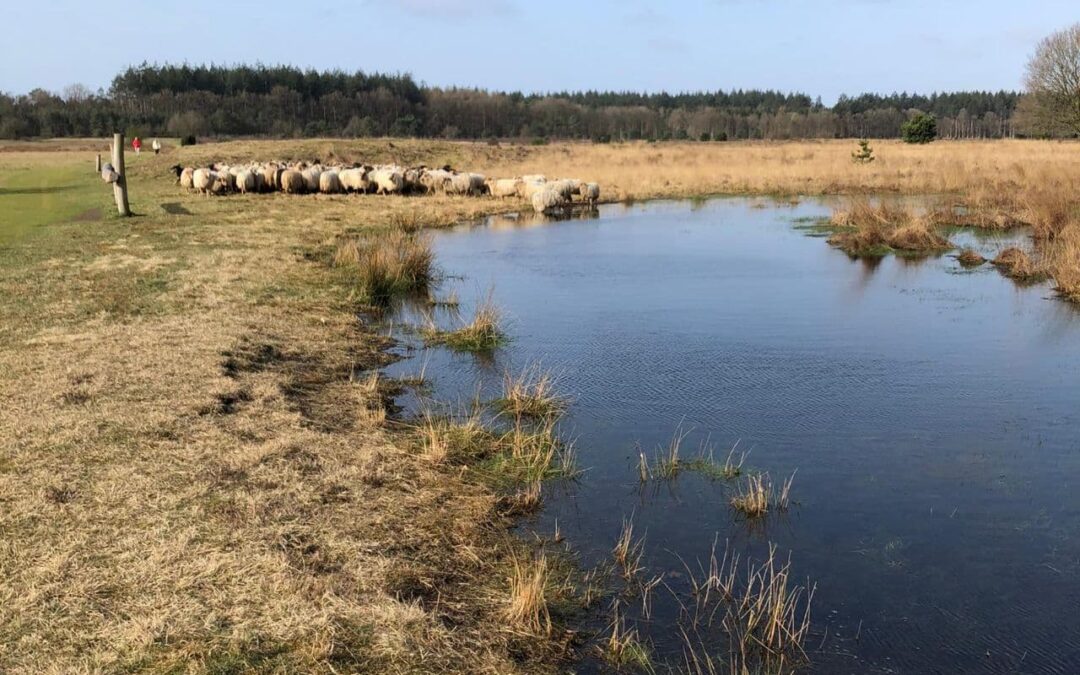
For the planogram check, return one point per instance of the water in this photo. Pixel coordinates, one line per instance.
(931, 412)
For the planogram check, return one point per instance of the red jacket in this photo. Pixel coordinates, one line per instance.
(136, 143)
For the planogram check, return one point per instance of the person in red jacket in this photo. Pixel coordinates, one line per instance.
(137, 144)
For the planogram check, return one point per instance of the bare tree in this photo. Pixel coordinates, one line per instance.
(1053, 80)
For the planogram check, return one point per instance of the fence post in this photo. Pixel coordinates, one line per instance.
(120, 186)
(97, 165)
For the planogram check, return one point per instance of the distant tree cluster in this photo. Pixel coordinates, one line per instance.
(281, 101)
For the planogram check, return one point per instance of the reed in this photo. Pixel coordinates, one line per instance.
(628, 551)
(624, 649)
(1018, 265)
(868, 229)
(969, 258)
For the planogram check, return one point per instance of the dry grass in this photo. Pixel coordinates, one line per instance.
(758, 496)
(970, 258)
(1016, 264)
(386, 266)
(764, 615)
(532, 393)
(527, 607)
(628, 551)
(868, 229)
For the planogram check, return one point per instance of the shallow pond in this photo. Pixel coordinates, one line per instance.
(932, 414)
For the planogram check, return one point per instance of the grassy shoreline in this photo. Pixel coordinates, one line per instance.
(198, 474)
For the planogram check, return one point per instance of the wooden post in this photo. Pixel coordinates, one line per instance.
(97, 165)
(120, 186)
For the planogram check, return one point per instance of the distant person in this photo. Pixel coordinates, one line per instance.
(137, 144)
(156, 145)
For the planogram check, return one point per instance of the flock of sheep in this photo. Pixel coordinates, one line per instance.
(302, 177)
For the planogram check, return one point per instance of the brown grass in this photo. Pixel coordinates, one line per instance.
(483, 334)
(532, 393)
(870, 229)
(526, 607)
(970, 258)
(758, 496)
(1016, 264)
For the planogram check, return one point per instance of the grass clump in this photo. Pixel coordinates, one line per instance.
(624, 649)
(669, 462)
(867, 230)
(1017, 265)
(387, 266)
(969, 258)
(628, 551)
(764, 614)
(531, 394)
(483, 334)
(526, 609)
(758, 496)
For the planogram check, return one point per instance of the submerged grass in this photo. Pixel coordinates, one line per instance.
(758, 496)
(669, 462)
(483, 334)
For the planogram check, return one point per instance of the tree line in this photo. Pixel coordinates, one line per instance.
(282, 101)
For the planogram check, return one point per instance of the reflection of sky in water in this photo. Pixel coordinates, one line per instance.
(933, 415)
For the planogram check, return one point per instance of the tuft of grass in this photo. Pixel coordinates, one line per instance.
(669, 463)
(765, 615)
(526, 607)
(532, 394)
(624, 648)
(483, 334)
(867, 230)
(1017, 265)
(449, 300)
(628, 551)
(758, 496)
(969, 258)
(387, 266)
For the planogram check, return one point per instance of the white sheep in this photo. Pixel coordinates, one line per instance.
(202, 180)
(435, 180)
(186, 176)
(566, 188)
(387, 181)
(329, 182)
(504, 187)
(292, 181)
(354, 180)
(245, 181)
(311, 178)
(546, 200)
(528, 188)
(590, 192)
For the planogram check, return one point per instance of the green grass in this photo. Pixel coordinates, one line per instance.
(31, 197)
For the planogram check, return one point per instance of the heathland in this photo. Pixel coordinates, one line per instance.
(200, 470)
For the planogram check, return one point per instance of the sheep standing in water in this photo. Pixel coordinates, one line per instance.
(547, 200)
(590, 193)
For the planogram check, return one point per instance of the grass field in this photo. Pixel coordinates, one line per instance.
(196, 475)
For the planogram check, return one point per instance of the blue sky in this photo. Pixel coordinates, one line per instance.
(821, 47)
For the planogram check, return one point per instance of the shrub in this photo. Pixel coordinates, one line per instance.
(921, 128)
(187, 140)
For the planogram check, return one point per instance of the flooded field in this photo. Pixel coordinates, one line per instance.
(930, 415)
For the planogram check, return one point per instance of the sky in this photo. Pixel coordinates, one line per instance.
(819, 47)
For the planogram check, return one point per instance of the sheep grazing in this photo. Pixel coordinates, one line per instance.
(566, 188)
(245, 181)
(528, 188)
(466, 184)
(505, 187)
(387, 181)
(329, 182)
(547, 200)
(292, 182)
(590, 192)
